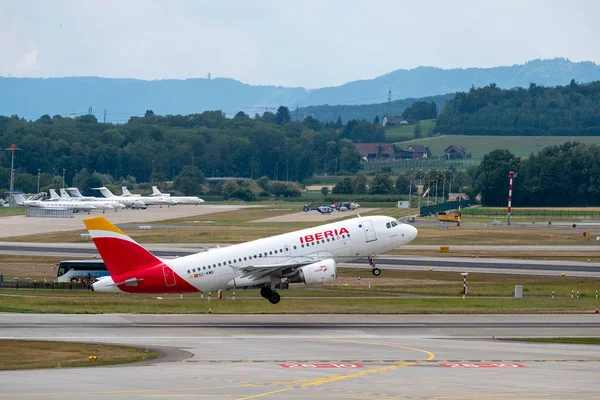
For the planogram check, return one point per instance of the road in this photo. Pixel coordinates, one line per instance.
(316, 356)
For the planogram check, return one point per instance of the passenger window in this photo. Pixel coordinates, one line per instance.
(294, 249)
(214, 266)
(204, 268)
(275, 251)
(189, 270)
(270, 253)
(265, 254)
(301, 245)
(260, 255)
(219, 264)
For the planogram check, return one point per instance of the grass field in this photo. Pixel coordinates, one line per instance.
(395, 292)
(29, 354)
(405, 132)
(9, 211)
(478, 146)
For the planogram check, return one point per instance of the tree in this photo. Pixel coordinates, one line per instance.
(420, 110)
(417, 132)
(338, 123)
(149, 113)
(403, 184)
(343, 187)
(376, 120)
(325, 191)
(359, 184)
(189, 181)
(491, 177)
(382, 184)
(282, 116)
(263, 182)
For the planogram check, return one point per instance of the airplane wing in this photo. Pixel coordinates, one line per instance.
(278, 270)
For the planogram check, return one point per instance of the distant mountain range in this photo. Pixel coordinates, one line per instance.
(33, 97)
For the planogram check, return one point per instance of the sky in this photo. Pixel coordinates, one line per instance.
(308, 43)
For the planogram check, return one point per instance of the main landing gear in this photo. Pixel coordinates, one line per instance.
(376, 271)
(270, 295)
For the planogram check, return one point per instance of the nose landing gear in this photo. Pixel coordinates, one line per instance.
(376, 271)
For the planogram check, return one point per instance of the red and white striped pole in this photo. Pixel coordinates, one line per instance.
(511, 175)
(464, 274)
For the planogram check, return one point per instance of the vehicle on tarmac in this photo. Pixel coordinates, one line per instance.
(307, 256)
(451, 216)
(81, 270)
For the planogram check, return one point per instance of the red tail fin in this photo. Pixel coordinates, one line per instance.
(119, 252)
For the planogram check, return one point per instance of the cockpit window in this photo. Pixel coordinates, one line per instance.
(388, 225)
(394, 223)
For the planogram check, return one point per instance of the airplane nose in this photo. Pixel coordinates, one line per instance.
(412, 232)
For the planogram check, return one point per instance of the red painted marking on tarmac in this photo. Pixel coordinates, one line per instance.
(499, 365)
(347, 366)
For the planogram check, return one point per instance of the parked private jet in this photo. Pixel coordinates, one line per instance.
(55, 205)
(100, 203)
(146, 200)
(178, 199)
(309, 256)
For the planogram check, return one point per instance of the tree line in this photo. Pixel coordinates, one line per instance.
(559, 176)
(556, 111)
(156, 148)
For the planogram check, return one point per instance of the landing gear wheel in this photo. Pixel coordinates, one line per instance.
(266, 292)
(376, 271)
(274, 298)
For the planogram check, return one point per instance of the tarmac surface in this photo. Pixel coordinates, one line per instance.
(414, 263)
(20, 225)
(315, 216)
(316, 356)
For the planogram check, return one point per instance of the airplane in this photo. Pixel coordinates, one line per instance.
(148, 201)
(321, 209)
(102, 203)
(178, 199)
(132, 202)
(309, 255)
(76, 196)
(55, 205)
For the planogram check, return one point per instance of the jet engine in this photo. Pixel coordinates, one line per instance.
(319, 272)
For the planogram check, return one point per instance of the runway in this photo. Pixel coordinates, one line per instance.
(317, 356)
(452, 264)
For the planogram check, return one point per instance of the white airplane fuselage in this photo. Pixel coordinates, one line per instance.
(223, 268)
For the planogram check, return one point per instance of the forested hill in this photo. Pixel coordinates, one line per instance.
(158, 148)
(558, 111)
(368, 112)
(30, 98)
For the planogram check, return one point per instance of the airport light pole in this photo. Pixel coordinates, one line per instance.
(511, 175)
(39, 173)
(13, 147)
(64, 170)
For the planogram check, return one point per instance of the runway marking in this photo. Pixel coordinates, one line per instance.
(372, 361)
(431, 356)
(265, 394)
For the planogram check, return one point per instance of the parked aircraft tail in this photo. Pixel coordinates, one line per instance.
(158, 193)
(126, 191)
(105, 192)
(74, 192)
(64, 195)
(120, 253)
(53, 194)
(19, 198)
